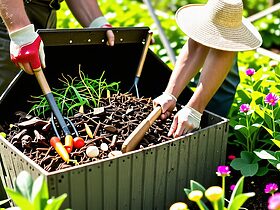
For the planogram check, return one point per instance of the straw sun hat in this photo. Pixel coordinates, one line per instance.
(219, 24)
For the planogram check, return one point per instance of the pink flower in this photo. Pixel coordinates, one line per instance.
(244, 108)
(271, 99)
(250, 72)
(232, 187)
(223, 171)
(231, 157)
(271, 188)
(274, 202)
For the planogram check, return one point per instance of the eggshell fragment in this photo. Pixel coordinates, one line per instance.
(92, 151)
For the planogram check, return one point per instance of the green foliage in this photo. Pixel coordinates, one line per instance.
(248, 164)
(269, 29)
(76, 92)
(257, 129)
(126, 13)
(33, 195)
(238, 198)
(236, 201)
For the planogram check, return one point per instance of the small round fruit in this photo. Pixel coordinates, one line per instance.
(79, 142)
(92, 151)
(104, 147)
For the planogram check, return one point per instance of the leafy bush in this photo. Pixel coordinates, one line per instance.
(33, 195)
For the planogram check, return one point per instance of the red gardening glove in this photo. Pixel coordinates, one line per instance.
(101, 22)
(26, 49)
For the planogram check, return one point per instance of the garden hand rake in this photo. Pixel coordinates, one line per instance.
(55, 111)
(141, 63)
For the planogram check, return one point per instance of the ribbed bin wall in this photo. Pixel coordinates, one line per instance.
(152, 178)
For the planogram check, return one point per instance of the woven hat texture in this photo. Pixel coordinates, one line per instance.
(219, 24)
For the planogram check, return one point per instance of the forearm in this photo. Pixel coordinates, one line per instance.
(190, 61)
(215, 69)
(85, 11)
(13, 14)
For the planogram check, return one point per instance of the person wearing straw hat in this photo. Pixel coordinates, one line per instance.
(217, 31)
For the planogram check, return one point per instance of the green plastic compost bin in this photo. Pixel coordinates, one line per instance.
(150, 178)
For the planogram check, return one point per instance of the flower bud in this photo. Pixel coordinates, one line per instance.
(195, 195)
(214, 193)
(179, 206)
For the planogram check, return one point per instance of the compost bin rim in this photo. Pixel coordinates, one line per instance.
(90, 36)
(77, 167)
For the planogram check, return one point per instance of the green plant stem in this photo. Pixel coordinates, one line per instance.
(273, 123)
(215, 205)
(223, 187)
(249, 137)
(200, 205)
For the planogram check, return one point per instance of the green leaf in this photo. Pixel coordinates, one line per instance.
(262, 171)
(196, 186)
(247, 156)
(187, 191)
(277, 142)
(24, 184)
(40, 194)
(265, 155)
(19, 199)
(55, 203)
(250, 169)
(247, 165)
(238, 189)
(268, 130)
(254, 127)
(242, 129)
(239, 200)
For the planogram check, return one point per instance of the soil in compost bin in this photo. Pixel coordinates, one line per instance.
(111, 124)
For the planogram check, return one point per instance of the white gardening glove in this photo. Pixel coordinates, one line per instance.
(186, 120)
(27, 49)
(167, 101)
(101, 22)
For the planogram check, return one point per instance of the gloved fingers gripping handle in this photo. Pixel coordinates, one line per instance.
(26, 49)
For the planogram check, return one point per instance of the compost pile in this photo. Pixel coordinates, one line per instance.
(111, 123)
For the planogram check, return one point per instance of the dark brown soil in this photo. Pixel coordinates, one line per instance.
(111, 123)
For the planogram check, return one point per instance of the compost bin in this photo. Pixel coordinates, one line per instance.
(147, 178)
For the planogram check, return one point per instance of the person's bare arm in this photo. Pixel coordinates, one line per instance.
(13, 14)
(84, 11)
(190, 61)
(215, 69)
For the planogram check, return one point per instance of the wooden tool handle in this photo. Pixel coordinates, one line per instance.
(136, 136)
(144, 54)
(40, 76)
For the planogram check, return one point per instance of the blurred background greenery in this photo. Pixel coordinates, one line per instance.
(125, 13)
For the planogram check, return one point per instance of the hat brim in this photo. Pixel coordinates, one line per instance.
(194, 22)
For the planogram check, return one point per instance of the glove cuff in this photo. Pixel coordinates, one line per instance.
(98, 22)
(171, 95)
(194, 113)
(24, 35)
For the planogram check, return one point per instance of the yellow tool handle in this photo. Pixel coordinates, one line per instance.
(136, 136)
(144, 53)
(40, 76)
